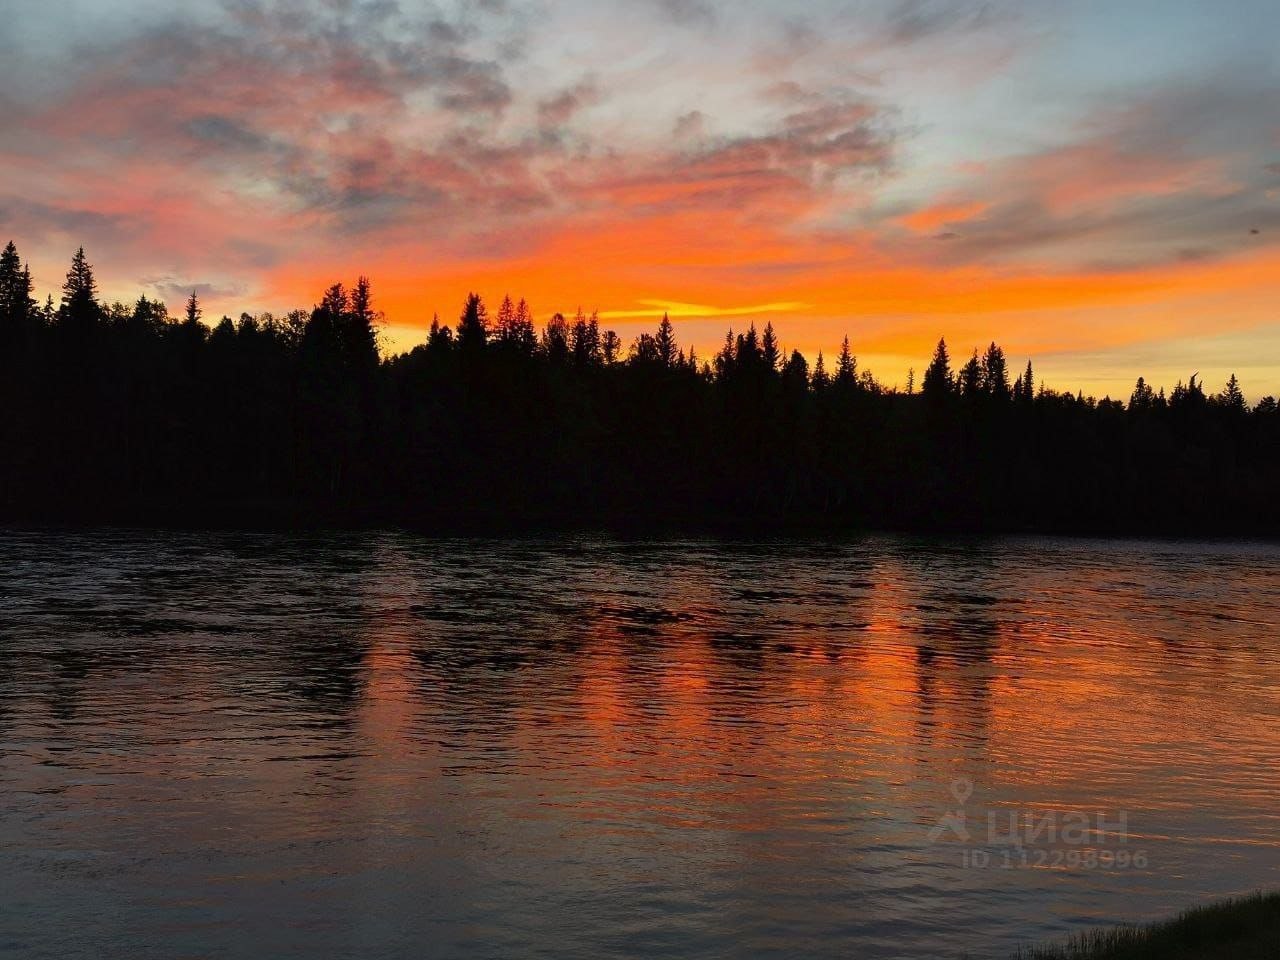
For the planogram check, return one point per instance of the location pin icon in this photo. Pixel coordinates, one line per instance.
(962, 789)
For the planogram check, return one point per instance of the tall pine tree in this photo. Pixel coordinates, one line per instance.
(359, 327)
(80, 309)
(937, 378)
(665, 340)
(995, 373)
(769, 346)
(846, 366)
(473, 324)
(16, 305)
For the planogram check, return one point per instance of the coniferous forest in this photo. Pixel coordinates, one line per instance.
(124, 413)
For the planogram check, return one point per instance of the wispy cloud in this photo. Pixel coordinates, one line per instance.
(672, 308)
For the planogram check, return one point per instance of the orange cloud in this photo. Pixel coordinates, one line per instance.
(933, 218)
(1097, 175)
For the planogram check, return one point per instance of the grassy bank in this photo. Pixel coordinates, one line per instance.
(1246, 928)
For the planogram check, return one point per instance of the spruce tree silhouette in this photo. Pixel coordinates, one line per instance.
(505, 321)
(193, 313)
(80, 311)
(584, 340)
(769, 348)
(970, 379)
(820, 379)
(16, 306)
(995, 374)
(555, 340)
(1023, 389)
(846, 367)
(473, 325)
(938, 383)
(1143, 397)
(665, 342)
(796, 373)
(1231, 396)
(359, 327)
(522, 333)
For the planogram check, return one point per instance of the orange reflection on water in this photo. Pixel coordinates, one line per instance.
(445, 740)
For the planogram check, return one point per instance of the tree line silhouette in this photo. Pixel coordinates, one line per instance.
(124, 413)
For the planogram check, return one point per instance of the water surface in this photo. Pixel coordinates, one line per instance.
(377, 745)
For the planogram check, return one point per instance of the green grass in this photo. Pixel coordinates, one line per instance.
(1245, 928)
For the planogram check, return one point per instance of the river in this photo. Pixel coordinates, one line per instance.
(380, 745)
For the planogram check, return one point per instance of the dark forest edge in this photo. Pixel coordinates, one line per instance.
(115, 413)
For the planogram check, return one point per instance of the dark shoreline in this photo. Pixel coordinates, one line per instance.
(1238, 928)
(268, 517)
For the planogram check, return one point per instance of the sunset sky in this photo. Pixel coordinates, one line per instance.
(1094, 184)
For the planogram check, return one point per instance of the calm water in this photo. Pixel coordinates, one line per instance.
(384, 746)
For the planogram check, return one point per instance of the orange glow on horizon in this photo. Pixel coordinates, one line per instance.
(886, 309)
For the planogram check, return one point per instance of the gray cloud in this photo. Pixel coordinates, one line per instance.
(795, 38)
(827, 137)
(472, 86)
(910, 21)
(690, 125)
(1133, 232)
(1154, 184)
(173, 289)
(225, 133)
(37, 219)
(560, 109)
(688, 12)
